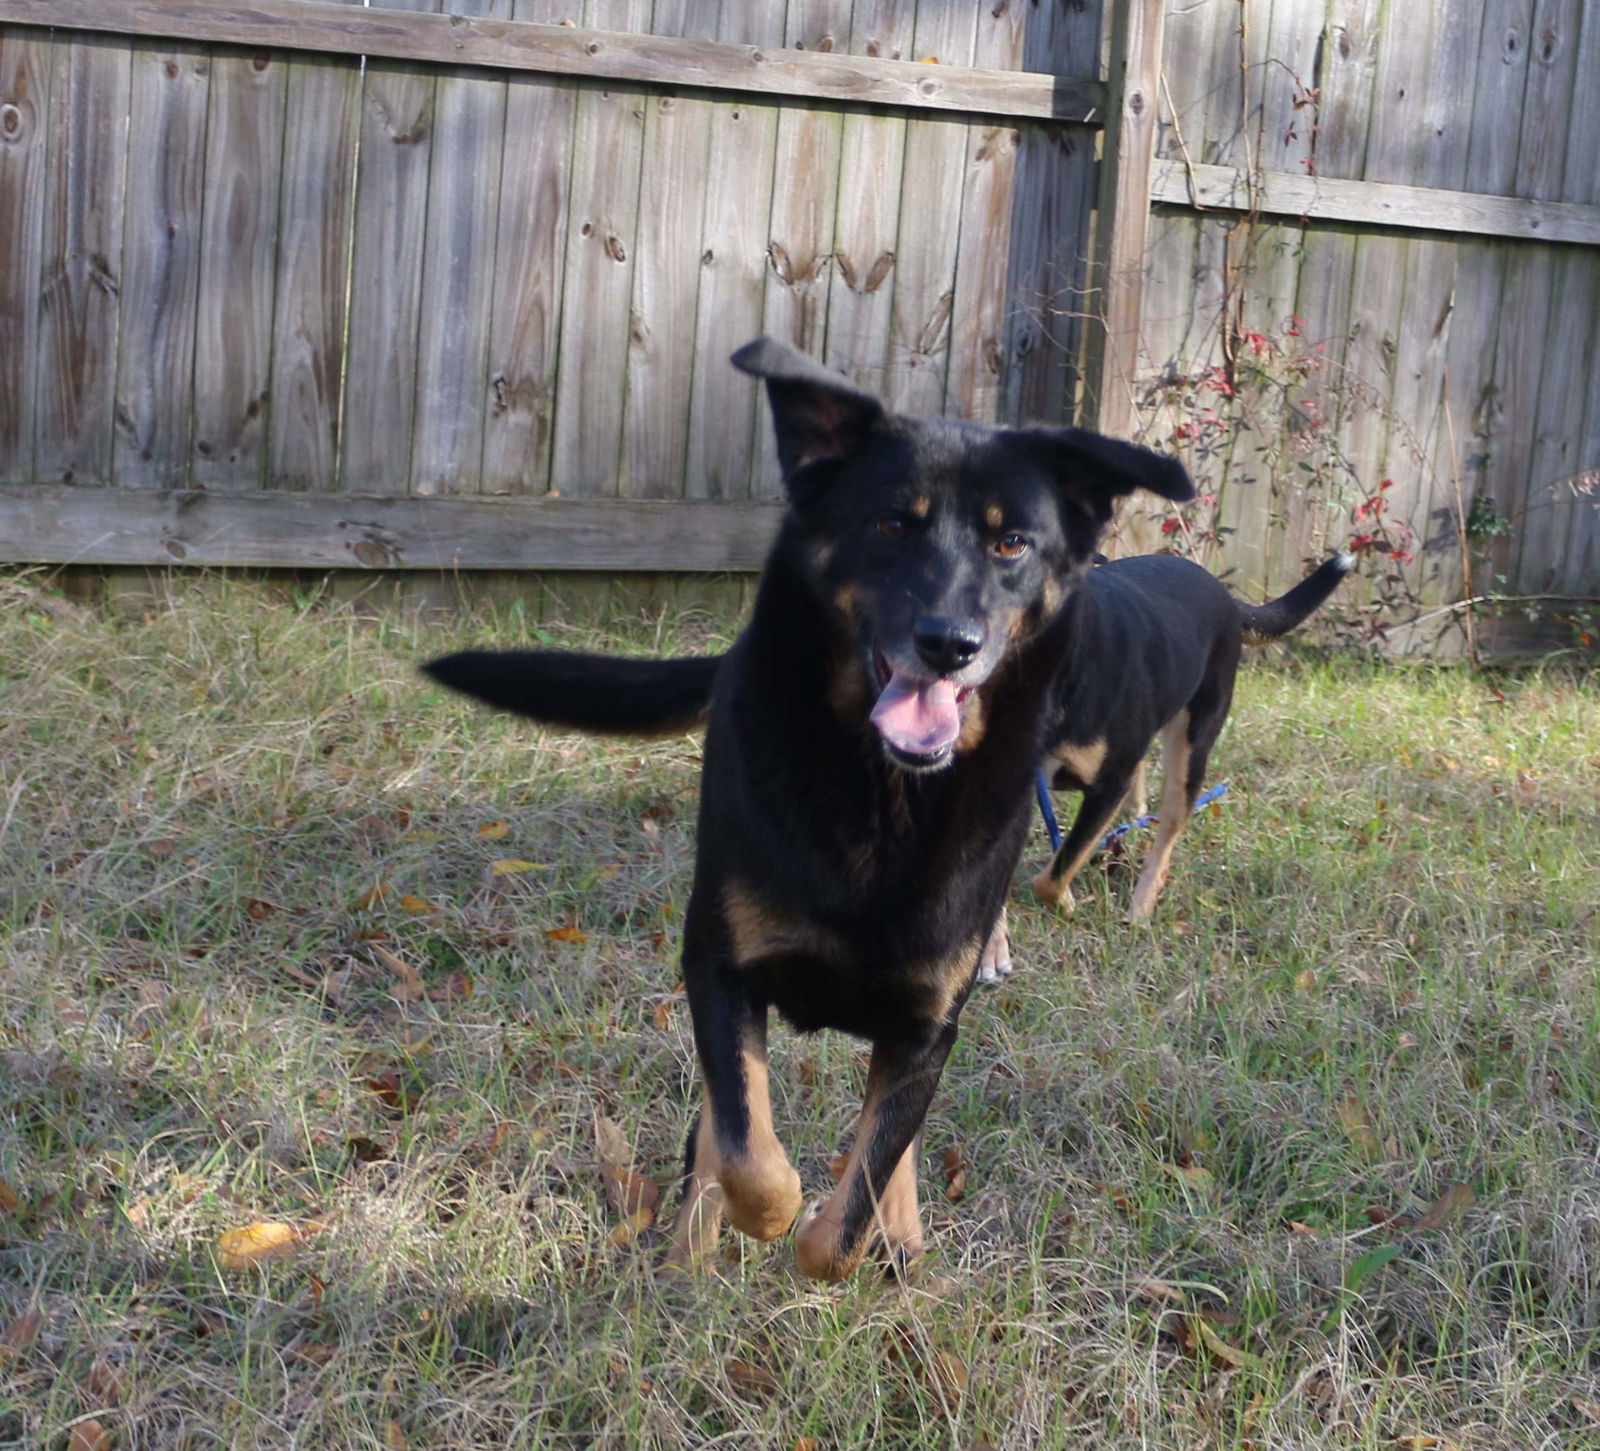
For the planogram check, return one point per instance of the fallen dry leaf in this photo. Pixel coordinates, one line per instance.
(8, 1198)
(18, 1338)
(610, 1141)
(394, 1437)
(630, 1195)
(663, 1015)
(458, 985)
(495, 830)
(239, 1249)
(377, 893)
(1450, 1205)
(89, 1435)
(416, 906)
(1590, 1409)
(1357, 1123)
(749, 1379)
(1425, 1443)
(104, 1383)
(567, 934)
(258, 909)
(1160, 1290)
(510, 866)
(947, 1374)
(955, 1174)
(408, 985)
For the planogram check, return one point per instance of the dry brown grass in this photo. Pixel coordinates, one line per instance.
(1374, 976)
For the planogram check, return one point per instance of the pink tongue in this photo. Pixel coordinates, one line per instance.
(918, 717)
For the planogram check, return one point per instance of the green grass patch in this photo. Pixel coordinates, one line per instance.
(293, 938)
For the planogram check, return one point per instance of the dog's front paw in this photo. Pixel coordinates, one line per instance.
(995, 964)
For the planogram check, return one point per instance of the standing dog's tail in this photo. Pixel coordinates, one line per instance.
(596, 693)
(1277, 617)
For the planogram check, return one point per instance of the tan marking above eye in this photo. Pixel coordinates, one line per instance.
(921, 505)
(994, 516)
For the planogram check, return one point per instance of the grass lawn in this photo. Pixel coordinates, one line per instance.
(340, 1036)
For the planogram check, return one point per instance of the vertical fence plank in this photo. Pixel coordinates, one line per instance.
(24, 95)
(801, 227)
(1054, 187)
(933, 184)
(238, 251)
(723, 458)
(529, 265)
(871, 168)
(982, 290)
(391, 213)
(82, 254)
(666, 276)
(322, 105)
(161, 254)
(602, 248)
(458, 274)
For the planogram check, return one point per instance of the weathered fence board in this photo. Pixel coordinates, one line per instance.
(634, 58)
(24, 92)
(322, 118)
(78, 524)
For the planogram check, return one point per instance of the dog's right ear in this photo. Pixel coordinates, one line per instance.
(818, 417)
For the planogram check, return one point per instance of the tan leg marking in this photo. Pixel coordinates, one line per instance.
(1138, 794)
(1057, 891)
(761, 1191)
(1174, 816)
(995, 963)
(699, 1220)
(1084, 762)
(818, 1247)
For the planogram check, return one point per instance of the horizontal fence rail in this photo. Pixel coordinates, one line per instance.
(84, 525)
(567, 51)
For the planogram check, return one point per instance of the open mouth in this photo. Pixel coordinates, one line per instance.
(918, 717)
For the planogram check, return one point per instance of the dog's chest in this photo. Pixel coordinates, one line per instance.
(861, 974)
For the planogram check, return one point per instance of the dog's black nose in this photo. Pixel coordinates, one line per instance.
(945, 644)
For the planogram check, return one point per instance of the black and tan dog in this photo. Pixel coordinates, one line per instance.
(870, 750)
(1155, 647)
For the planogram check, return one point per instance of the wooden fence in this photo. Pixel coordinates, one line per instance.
(285, 282)
(273, 273)
(1371, 301)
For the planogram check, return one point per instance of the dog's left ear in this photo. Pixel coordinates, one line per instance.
(1093, 470)
(816, 414)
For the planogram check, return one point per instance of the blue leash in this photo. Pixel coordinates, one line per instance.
(1047, 810)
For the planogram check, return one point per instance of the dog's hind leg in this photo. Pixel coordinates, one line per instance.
(1100, 801)
(878, 1189)
(1182, 772)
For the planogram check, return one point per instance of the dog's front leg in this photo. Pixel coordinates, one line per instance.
(735, 1163)
(878, 1189)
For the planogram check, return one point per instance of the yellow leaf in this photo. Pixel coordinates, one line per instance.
(1218, 1349)
(8, 1198)
(378, 892)
(495, 830)
(238, 1249)
(567, 934)
(416, 906)
(510, 866)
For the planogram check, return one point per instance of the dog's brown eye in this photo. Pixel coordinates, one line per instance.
(893, 526)
(1009, 546)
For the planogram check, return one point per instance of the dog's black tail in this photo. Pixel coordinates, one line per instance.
(1277, 617)
(597, 693)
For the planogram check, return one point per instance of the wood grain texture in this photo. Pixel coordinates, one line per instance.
(529, 269)
(322, 120)
(391, 212)
(458, 275)
(82, 261)
(631, 57)
(238, 264)
(1375, 204)
(24, 96)
(161, 254)
(85, 525)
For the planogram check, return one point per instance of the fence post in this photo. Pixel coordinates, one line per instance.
(1116, 286)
